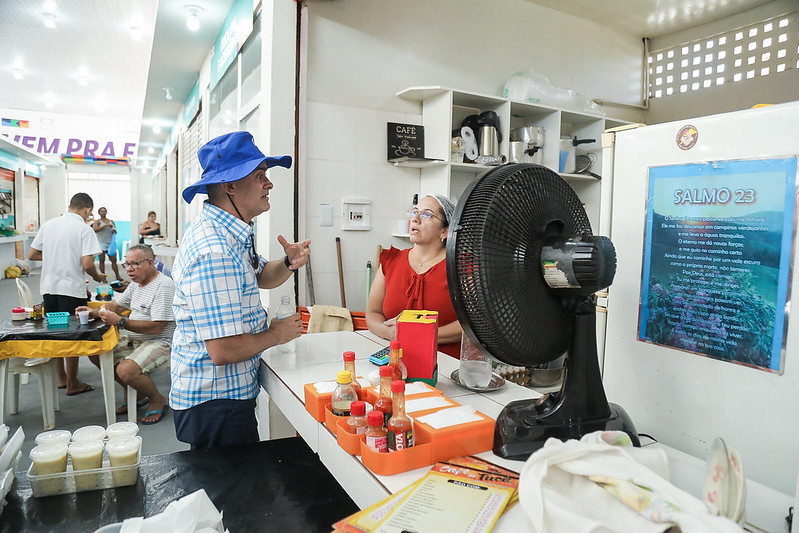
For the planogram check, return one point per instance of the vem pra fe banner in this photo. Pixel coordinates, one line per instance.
(717, 259)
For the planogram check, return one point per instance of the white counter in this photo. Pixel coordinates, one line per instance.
(319, 356)
(8, 251)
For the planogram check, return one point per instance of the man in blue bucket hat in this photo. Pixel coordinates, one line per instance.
(220, 324)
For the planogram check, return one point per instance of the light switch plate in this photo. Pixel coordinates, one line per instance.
(325, 215)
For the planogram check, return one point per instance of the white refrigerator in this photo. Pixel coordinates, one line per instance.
(698, 340)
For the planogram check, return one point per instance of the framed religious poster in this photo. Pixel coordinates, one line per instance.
(717, 259)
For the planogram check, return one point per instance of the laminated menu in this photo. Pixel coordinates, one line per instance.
(462, 494)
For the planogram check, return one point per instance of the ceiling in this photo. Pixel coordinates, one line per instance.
(117, 56)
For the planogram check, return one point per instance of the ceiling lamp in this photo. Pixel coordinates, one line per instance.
(49, 19)
(193, 20)
(167, 92)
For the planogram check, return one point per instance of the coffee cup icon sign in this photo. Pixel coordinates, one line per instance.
(405, 149)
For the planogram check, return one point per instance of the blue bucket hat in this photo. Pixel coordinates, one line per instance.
(230, 157)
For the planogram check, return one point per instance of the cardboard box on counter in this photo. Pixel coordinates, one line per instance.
(417, 333)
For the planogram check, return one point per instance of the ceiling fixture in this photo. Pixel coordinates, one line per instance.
(135, 33)
(157, 130)
(49, 20)
(150, 150)
(193, 20)
(168, 93)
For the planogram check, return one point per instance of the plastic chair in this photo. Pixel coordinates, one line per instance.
(12, 368)
(25, 295)
(125, 245)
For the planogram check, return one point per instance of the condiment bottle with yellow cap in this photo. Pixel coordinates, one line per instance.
(344, 394)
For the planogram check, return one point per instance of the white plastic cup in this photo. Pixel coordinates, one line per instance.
(122, 429)
(402, 226)
(50, 459)
(83, 316)
(88, 433)
(55, 436)
(86, 455)
(124, 451)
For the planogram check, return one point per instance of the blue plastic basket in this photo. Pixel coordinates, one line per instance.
(58, 319)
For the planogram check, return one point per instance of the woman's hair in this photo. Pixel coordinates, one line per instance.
(150, 213)
(447, 207)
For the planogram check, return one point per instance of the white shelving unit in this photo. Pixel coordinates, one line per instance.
(444, 109)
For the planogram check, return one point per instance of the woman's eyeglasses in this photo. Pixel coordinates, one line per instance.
(424, 215)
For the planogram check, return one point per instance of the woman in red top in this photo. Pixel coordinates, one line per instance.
(416, 278)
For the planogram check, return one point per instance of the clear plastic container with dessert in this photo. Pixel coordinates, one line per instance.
(119, 467)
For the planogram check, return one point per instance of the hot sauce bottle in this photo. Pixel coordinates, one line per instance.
(400, 430)
(349, 364)
(357, 423)
(384, 403)
(376, 434)
(344, 394)
(395, 361)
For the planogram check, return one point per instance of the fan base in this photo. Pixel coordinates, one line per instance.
(519, 432)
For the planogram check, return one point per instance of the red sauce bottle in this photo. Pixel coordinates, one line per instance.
(376, 434)
(349, 364)
(384, 403)
(357, 423)
(400, 430)
(395, 361)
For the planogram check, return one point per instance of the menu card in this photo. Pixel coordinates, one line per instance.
(462, 494)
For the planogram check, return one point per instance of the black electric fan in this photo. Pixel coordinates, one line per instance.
(522, 268)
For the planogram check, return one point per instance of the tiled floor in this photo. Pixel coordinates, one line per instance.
(83, 409)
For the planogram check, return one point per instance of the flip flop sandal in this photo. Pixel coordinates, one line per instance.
(123, 409)
(151, 413)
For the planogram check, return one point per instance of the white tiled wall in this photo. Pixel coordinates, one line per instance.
(346, 158)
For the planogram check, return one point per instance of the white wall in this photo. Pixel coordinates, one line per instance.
(361, 52)
(776, 88)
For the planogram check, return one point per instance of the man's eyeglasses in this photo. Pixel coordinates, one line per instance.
(133, 264)
(424, 215)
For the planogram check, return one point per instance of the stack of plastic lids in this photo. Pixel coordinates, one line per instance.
(10, 453)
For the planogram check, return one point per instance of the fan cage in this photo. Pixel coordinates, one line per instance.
(494, 256)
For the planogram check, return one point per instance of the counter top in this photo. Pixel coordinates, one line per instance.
(318, 356)
(279, 482)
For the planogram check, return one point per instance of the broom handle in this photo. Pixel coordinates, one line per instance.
(309, 276)
(340, 273)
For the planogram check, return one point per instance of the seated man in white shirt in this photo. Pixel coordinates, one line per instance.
(147, 333)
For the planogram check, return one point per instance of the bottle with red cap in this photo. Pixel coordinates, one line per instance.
(357, 423)
(376, 434)
(395, 361)
(400, 430)
(384, 403)
(349, 364)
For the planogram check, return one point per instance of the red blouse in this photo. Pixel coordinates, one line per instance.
(405, 289)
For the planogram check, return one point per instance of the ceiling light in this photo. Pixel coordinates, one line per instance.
(18, 73)
(157, 130)
(168, 93)
(135, 33)
(49, 6)
(193, 20)
(150, 150)
(49, 20)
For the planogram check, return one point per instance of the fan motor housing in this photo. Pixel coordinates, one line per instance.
(586, 263)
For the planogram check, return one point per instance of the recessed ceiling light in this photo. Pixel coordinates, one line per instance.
(150, 150)
(18, 73)
(168, 93)
(157, 130)
(49, 20)
(193, 20)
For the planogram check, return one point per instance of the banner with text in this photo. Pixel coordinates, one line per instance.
(717, 259)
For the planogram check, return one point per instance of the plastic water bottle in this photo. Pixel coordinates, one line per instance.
(284, 310)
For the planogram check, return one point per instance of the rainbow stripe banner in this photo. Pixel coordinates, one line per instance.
(95, 160)
(15, 123)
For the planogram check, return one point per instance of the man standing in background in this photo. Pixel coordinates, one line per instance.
(220, 325)
(66, 246)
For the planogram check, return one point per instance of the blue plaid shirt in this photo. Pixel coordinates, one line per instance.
(216, 295)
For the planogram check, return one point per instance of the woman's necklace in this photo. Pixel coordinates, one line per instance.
(421, 263)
